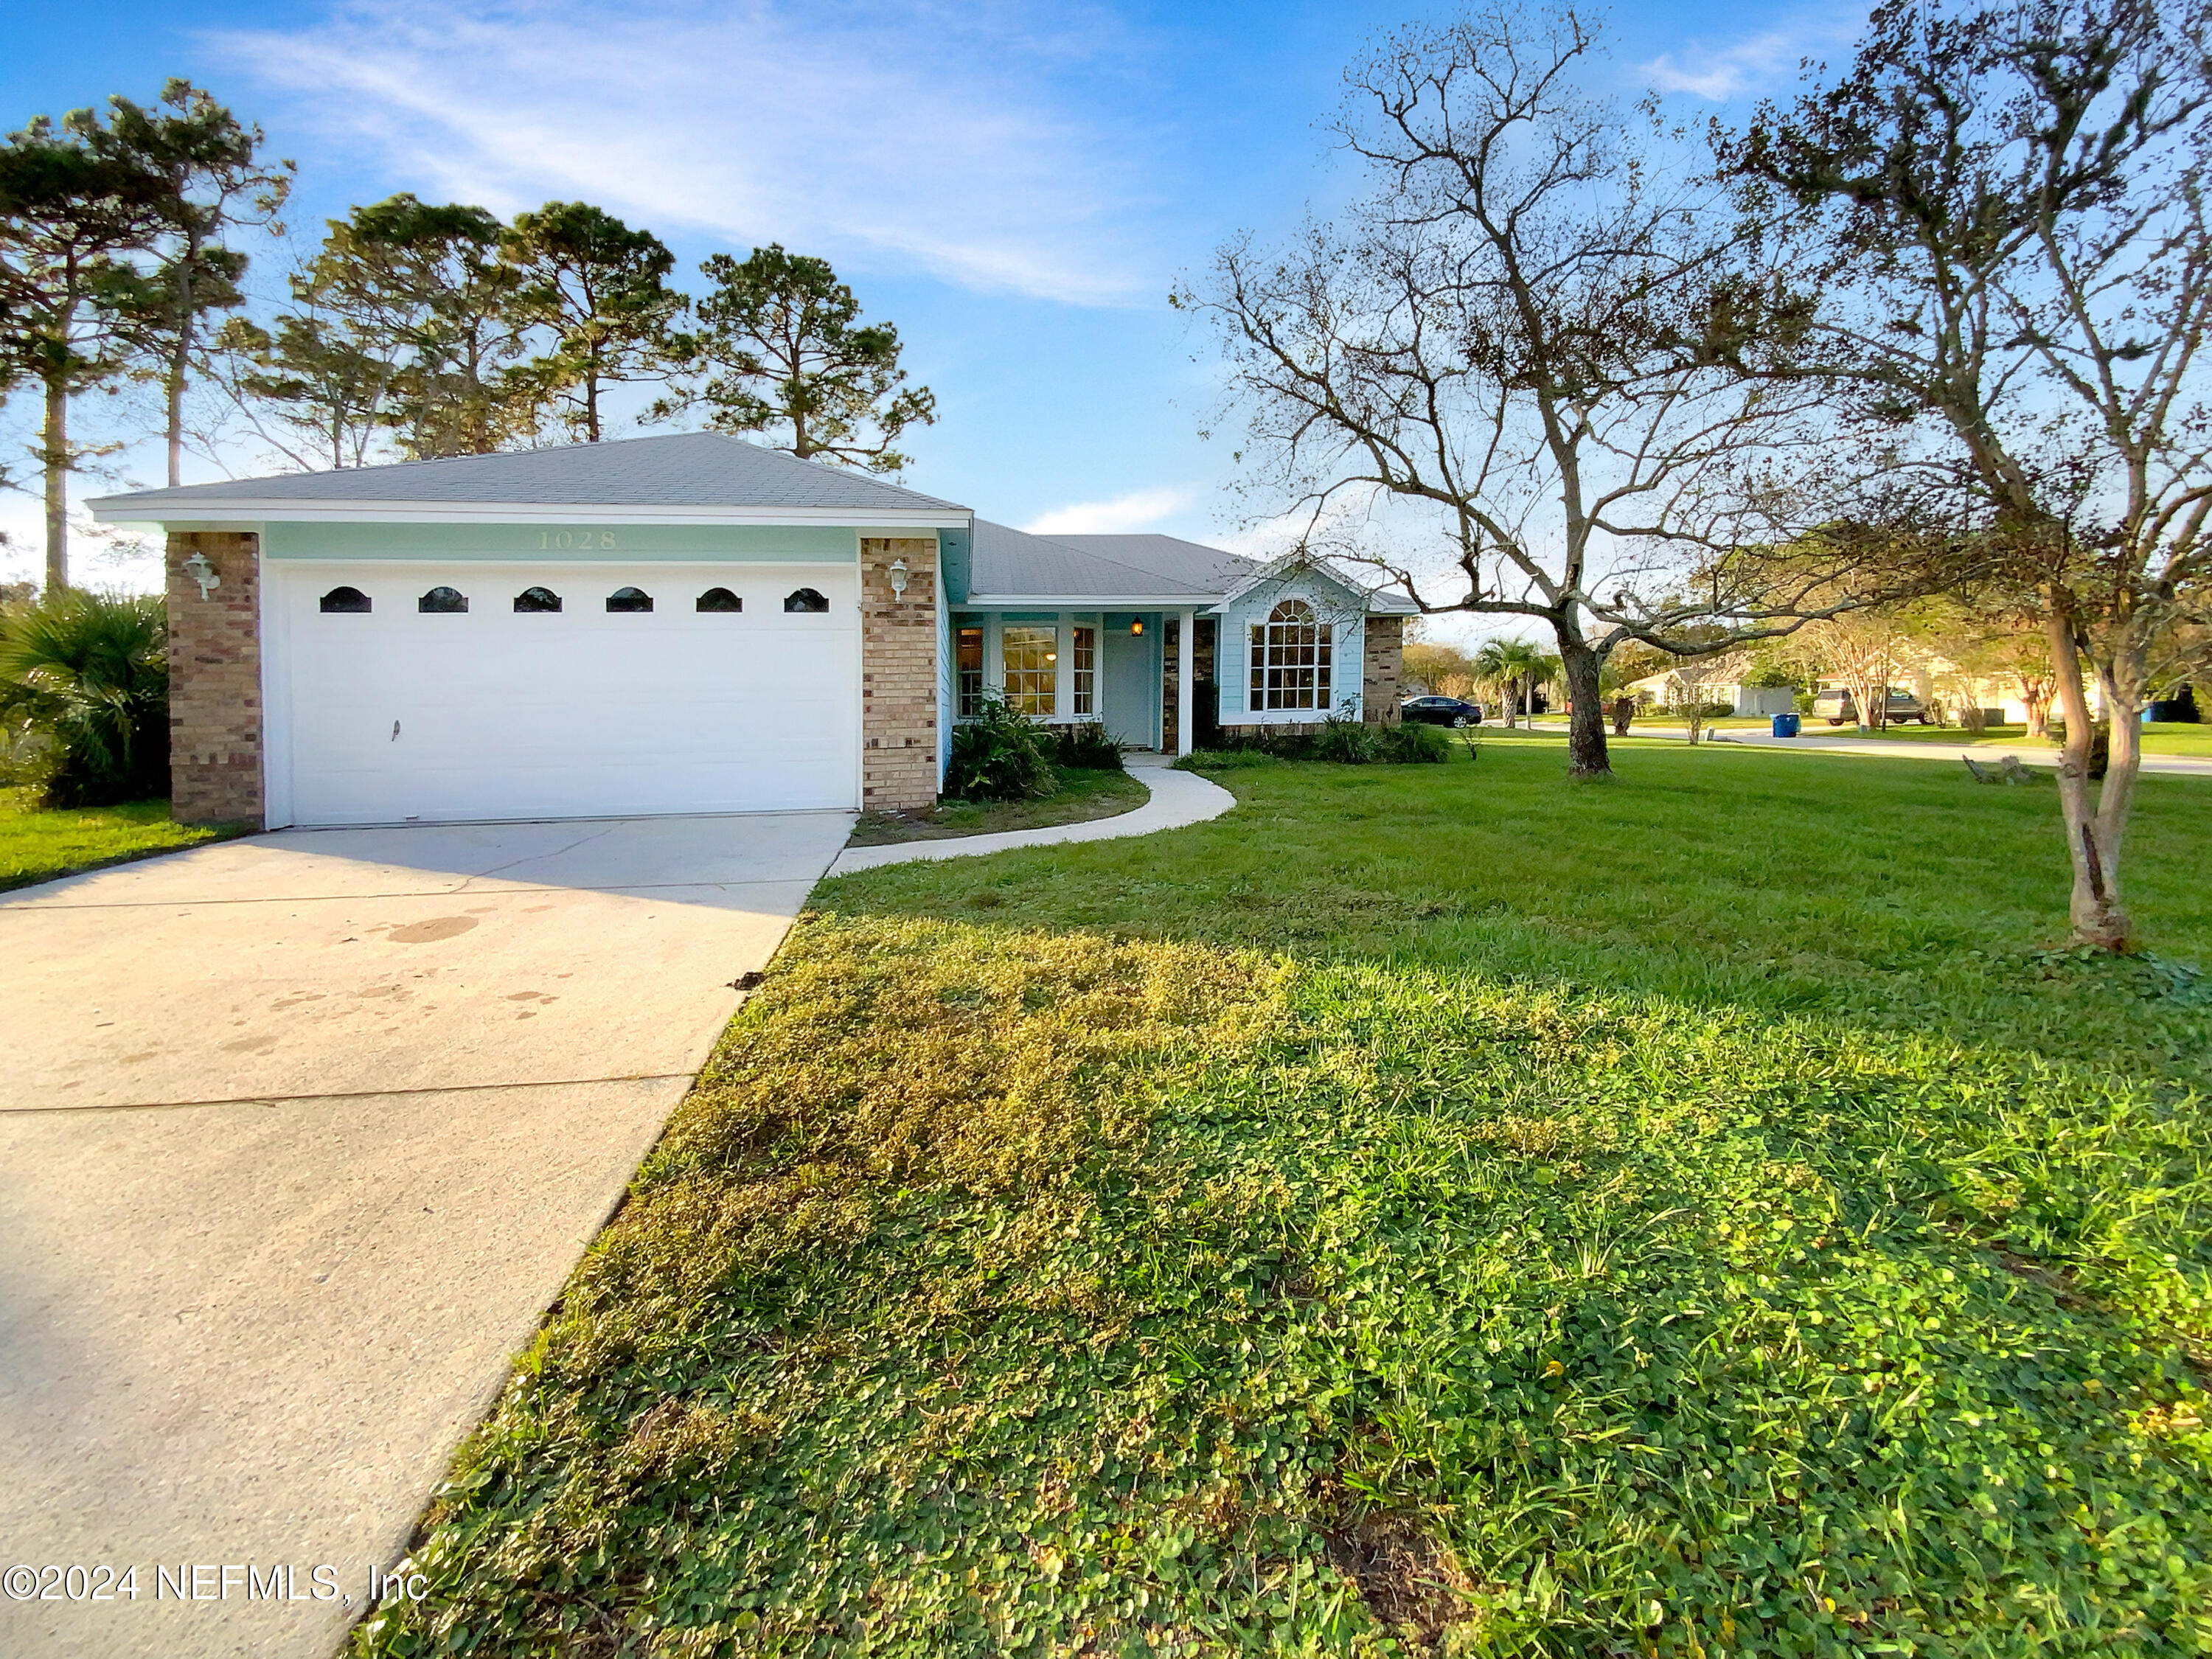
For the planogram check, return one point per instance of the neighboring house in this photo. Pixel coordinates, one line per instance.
(1713, 681)
(686, 623)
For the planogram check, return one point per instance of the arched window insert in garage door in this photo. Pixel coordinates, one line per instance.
(345, 601)
(629, 598)
(537, 599)
(806, 600)
(719, 599)
(443, 602)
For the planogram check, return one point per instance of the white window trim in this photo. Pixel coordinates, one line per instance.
(1064, 626)
(1323, 617)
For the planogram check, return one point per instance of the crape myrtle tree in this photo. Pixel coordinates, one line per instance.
(782, 349)
(1526, 330)
(2001, 211)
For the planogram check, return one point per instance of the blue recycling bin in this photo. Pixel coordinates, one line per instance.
(1785, 726)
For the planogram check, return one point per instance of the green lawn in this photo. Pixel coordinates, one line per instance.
(1430, 1208)
(1082, 793)
(38, 845)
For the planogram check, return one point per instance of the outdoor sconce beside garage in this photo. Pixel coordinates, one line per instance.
(197, 567)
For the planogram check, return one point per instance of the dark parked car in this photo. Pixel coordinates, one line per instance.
(1837, 709)
(1441, 711)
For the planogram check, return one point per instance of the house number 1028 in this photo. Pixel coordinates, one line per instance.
(562, 541)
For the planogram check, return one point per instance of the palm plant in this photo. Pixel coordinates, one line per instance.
(1514, 669)
(84, 680)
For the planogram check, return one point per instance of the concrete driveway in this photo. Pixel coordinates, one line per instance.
(298, 1137)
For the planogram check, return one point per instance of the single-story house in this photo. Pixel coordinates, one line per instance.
(687, 623)
(1712, 681)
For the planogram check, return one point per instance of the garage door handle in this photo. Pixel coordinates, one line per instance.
(395, 731)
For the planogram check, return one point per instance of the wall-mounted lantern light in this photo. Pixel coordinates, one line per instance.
(197, 567)
(898, 578)
(1137, 627)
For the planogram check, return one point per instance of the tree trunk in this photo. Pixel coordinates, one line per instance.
(178, 362)
(176, 426)
(1864, 688)
(1586, 751)
(2092, 833)
(54, 443)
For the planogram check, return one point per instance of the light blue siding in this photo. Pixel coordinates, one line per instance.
(1340, 606)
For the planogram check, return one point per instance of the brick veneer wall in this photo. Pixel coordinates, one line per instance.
(215, 682)
(898, 675)
(1383, 669)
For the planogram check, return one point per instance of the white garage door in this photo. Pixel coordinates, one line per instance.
(401, 712)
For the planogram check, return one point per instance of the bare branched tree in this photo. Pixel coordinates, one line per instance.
(2003, 212)
(1528, 339)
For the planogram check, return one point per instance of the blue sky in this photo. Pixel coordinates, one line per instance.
(1017, 187)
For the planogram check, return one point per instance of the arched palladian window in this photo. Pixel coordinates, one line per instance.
(719, 599)
(537, 598)
(1292, 655)
(806, 599)
(443, 601)
(629, 598)
(345, 601)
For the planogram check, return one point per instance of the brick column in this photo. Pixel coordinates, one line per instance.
(1381, 672)
(215, 681)
(898, 675)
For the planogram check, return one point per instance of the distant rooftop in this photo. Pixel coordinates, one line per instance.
(700, 470)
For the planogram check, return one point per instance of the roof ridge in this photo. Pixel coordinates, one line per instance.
(576, 473)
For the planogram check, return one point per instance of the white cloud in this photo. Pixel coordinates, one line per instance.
(1759, 64)
(915, 135)
(1140, 509)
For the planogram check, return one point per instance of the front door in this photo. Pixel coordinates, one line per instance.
(1130, 710)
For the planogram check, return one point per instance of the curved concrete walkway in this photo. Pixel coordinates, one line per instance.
(1177, 799)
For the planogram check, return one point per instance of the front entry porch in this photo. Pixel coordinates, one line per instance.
(1145, 676)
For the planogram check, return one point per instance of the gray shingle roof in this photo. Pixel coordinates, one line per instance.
(1214, 570)
(1012, 562)
(678, 470)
